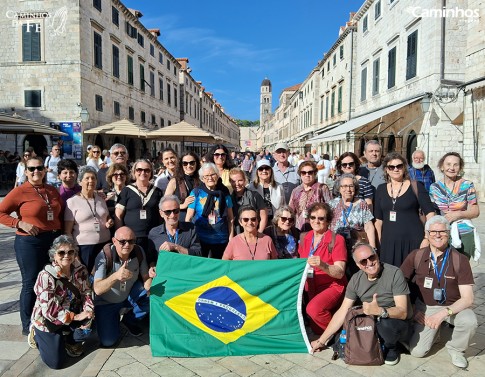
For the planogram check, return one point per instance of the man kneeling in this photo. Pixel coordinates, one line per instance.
(443, 290)
(117, 287)
(383, 292)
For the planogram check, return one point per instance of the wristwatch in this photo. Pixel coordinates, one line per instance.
(449, 311)
(384, 313)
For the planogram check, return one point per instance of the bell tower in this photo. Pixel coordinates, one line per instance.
(265, 105)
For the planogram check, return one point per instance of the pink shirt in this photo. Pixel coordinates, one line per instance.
(238, 249)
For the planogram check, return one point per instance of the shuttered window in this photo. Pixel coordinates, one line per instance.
(412, 55)
(33, 98)
(31, 42)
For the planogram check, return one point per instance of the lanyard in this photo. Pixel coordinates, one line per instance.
(312, 248)
(143, 196)
(449, 193)
(345, 214)
(173, 239)
(45, 199)
(435, 265)
(89, 204)
(394, 199)
(249, 248)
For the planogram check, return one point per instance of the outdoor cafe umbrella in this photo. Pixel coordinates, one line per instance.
(14, 124)
(120, 128)
(183, 132)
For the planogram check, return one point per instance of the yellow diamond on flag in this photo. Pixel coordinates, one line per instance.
(223, 309)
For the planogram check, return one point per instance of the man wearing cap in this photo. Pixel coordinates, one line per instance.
(285, 173)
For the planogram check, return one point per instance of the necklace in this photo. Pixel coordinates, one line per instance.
(249, 248)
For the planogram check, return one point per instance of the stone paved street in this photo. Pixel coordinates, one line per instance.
(132, 356)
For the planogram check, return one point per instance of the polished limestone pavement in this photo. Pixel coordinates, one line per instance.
(132, 356)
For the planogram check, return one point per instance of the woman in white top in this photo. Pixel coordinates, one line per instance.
(264, 183)
(94, 158)
(20, 172)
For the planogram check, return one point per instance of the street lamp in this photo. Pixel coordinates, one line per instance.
(426, 102)
(84, 115)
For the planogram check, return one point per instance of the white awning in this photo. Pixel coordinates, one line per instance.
(341, 131)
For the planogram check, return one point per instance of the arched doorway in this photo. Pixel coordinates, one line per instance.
(131, 150)
(362, 146)
(391, 143)
(411, 145)
(99, 142)
(38, 142)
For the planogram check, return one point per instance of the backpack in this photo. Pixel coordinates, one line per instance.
(108, 255)
(363, 346)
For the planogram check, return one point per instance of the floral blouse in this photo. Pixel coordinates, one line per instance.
(359, 215)
(300, 200)
(54, 298)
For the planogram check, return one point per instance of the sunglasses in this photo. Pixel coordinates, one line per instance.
(121, 153)
(321, 219)
(34, 168)
(191, 163)
(394, 167)
(141, 170)
(307, 172)
(348, 164)
(96, 151)
(246, 219)
(124, 242)
(287, 219)
(62, 253)
(219, 155)
(168, 212)
(370, 258)
(264, 168)
(119, 175)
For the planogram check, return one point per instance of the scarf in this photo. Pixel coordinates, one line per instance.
(220, 192)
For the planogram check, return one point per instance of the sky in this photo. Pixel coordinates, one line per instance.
(233, 45)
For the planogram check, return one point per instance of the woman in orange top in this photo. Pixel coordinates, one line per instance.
(38, 223)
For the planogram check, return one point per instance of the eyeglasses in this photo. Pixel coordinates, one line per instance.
(394, 167)
(436, 232)
(34, 168)
(321, 219)
(141, 170)
(119, 175)
(268, 168)
(348, 164)
(219, 155)
(307, 172)
(246, 219)
(96, 151)
(287, 219)
(124, 242)
(191, 163)
(209, 176)
(371, 258)
(168, 212)
(27, 155)
(348, 187)
(62, 253)
(118, 153)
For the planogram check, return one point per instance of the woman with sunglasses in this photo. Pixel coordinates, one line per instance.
(64, 309)
(309, 192)
(39, 221)
(137, 206)
(20, 172)
(351, 216)
(396, 209)
(265, 185)
(327, 257)
(211, 210)
(117, 177)
(184, 181)
(94, 158)
(87, 219)
(170, 161)
(349, 163)
(283, 233)
(219, 155)
(250, 244)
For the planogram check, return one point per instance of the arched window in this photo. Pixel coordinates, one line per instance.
(411, 145)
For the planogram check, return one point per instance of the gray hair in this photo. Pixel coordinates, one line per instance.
(364, 244)
(206, 166)
(438, 219)
(86, 169)
(279, 213)
(58, 242)
(355, 182)
(372, 142)
(117, 146)
(168, 198)
(419, 151)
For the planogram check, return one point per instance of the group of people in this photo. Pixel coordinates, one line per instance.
(100, 230)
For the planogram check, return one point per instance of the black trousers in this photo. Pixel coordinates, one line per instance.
(393, 330)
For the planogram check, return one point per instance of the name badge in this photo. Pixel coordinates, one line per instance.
(143, 214)
(310, 272)
(50, 215)
(428, 282)
(392, 216)
(123, 286)
(346, 234)
(286, 188)
(97, 227)
(438, 294)
(212, 218)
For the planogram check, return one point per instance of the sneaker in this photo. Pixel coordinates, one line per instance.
(30, 338)
(458, 359)
(392, 357)
(74, 350)
(132, 328)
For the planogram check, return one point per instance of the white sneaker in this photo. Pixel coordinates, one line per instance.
(458, 359)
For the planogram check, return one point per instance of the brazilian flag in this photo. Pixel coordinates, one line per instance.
(203, 307)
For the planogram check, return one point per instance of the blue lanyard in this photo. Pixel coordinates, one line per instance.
(345, 215)
(175, 239)
(313, 249)
(435, 265)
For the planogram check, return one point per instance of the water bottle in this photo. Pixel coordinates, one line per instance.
(343, 337)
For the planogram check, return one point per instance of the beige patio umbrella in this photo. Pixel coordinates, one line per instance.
(183, 132)
(11, 124)
(121, 128)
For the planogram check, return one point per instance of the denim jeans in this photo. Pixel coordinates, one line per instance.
(32, 253)
(108, 315)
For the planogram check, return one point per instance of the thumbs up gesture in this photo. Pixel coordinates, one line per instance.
(124, 273)
(372, 308)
